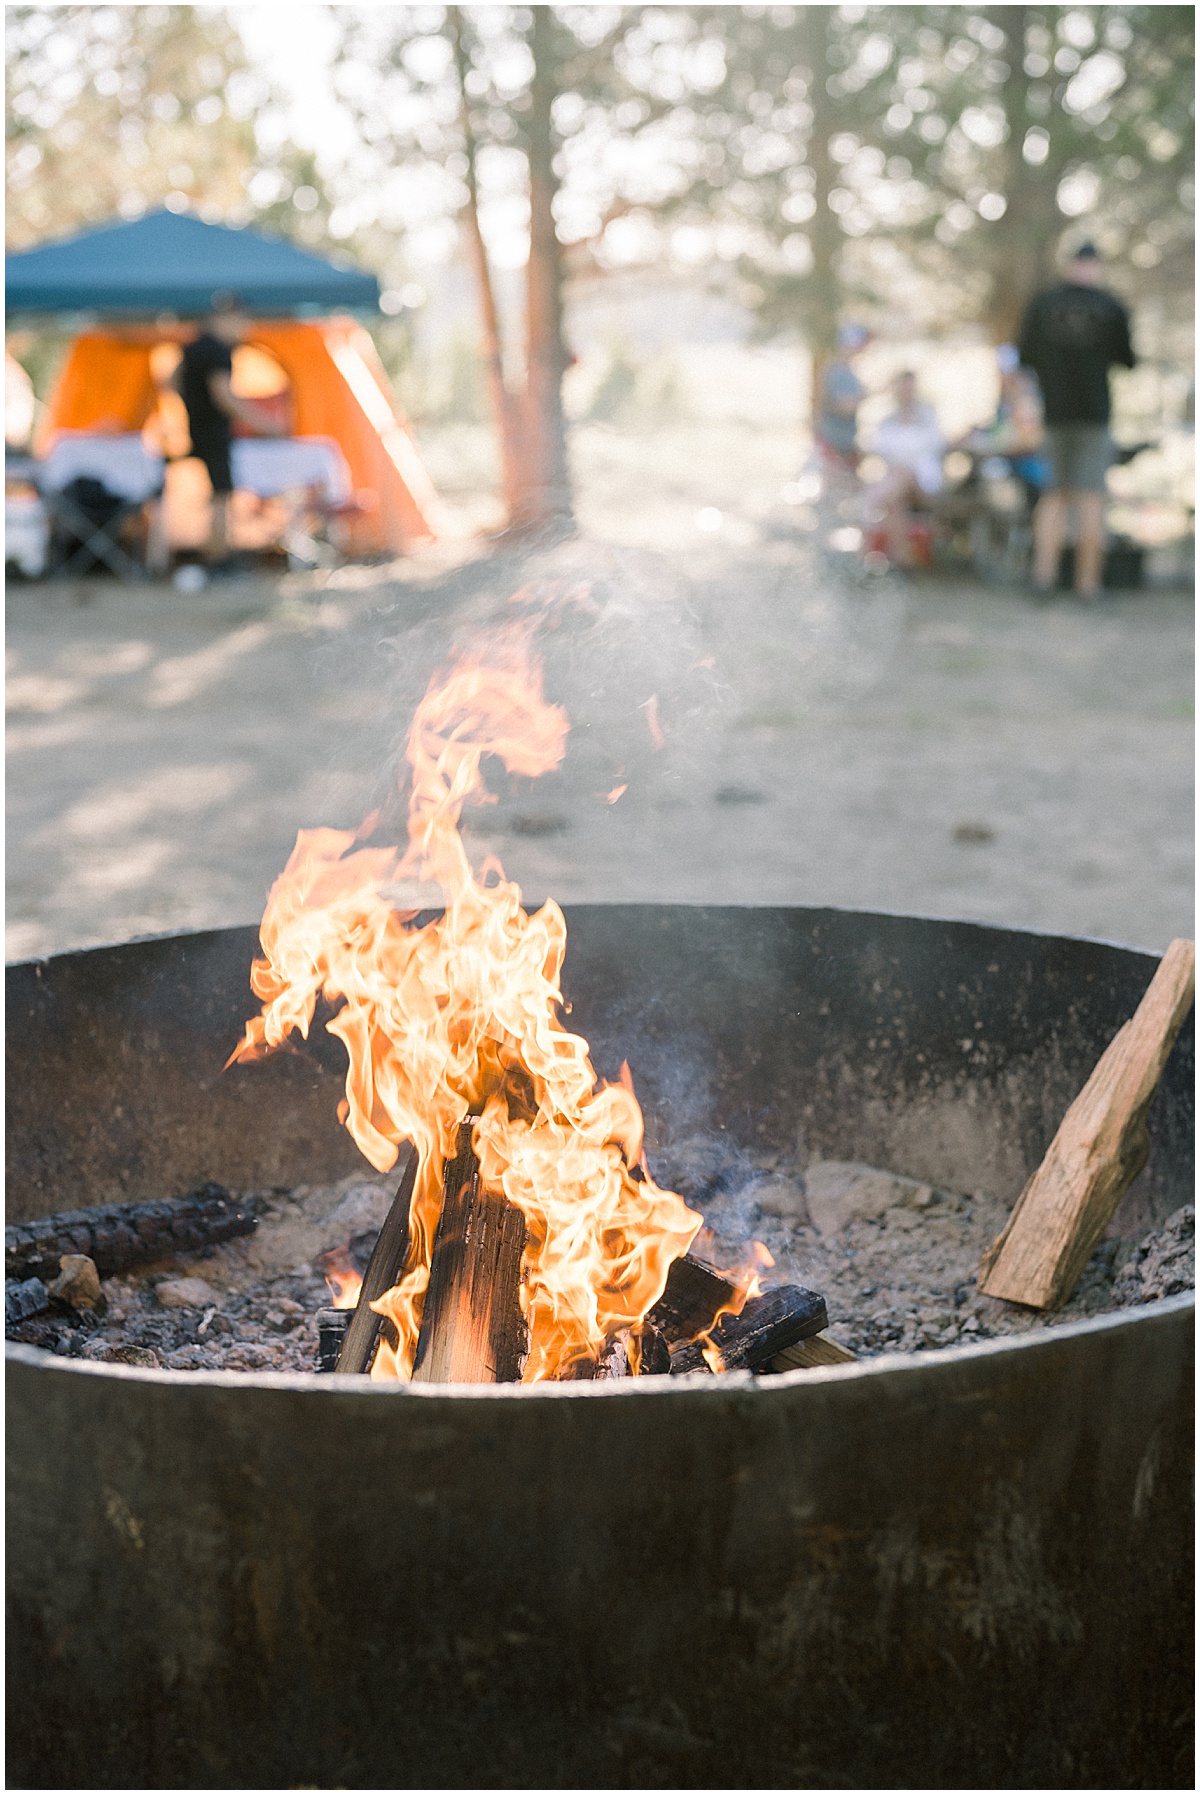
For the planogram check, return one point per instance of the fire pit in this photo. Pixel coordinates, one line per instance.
(964, 1567)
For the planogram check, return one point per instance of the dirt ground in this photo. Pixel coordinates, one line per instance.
(787, 730)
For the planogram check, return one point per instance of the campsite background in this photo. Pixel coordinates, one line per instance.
(726, 184)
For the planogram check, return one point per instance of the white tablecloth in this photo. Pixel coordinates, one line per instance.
(121, 463)
(271, 465)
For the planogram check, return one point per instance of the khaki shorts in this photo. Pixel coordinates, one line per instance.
(1079, 455)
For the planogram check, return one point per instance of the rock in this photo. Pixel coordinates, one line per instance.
(363, 1209)
(186, 1293)
(783, 1197)
(838, 1191)
(122, 1355)
(289, 1306)
(77, 1285)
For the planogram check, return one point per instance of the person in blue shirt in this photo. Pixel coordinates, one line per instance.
(841, 394)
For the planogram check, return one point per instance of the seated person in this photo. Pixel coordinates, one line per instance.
(1017, 432)
(842, 392)
(910, 441)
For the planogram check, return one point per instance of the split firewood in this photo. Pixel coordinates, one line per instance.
(1100, 1148)
(116, 1236)
(806, 1354)
(472, 1328)
(383, 1271)
(751, 1340)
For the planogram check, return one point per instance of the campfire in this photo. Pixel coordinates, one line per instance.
(527, 1240)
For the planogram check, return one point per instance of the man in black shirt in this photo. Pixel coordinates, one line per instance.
(1073, 333)
(204, 380)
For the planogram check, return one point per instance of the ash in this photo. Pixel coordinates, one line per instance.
(895, 1260)
(249, 1305)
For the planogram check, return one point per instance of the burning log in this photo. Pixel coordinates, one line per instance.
(648, 1352)
(472, 1328)
(116, 1236)
(1100, 1147)
(384, 1269)
(750, 1340)
(692, 1300)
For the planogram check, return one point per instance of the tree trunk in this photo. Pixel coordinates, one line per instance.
(822, 288)
(545, 486)
(504, 406)
(1022, 242)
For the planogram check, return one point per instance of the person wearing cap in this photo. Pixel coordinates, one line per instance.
(841, 394)
(1073, 333)
(204, 380)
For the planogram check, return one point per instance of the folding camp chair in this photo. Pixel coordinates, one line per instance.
(92, 486)
(79, 540)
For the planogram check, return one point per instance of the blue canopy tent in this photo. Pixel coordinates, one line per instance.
(169, 262)
(128, 287)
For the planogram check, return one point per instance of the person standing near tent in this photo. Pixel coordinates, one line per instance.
(204, 380)
(1073, 333)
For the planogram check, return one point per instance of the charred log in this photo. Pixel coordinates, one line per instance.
(118, 1236)
(628, 1354)
(766, 1325)
(24, 1298)
(383, 1271)
(694, 1296)
(331, 1332)
(472, 1329)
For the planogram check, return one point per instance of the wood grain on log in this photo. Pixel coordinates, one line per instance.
(116, 1236)
(751, 1340)
(472, 1329)
(383, 1271)
(1100, 1148)
(818, 1350)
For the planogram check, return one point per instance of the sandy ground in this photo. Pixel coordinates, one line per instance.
(786, 730)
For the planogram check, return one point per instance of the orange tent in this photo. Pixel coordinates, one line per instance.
(338, 389)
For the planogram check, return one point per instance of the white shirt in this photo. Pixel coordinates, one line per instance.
(914, 442)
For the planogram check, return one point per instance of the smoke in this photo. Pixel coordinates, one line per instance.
(661, 662)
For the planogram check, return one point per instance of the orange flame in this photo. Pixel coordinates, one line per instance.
(343, 1279)
(461, 1016)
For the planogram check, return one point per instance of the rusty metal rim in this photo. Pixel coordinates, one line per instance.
(647, 1389)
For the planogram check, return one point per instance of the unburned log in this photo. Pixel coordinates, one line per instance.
(807, 1355)
(1099, 1149)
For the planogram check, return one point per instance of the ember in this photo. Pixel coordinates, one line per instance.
(537, 1239)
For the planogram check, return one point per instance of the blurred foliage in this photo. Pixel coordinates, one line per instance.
(915, 164)
(910, 161)
(115, 111)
